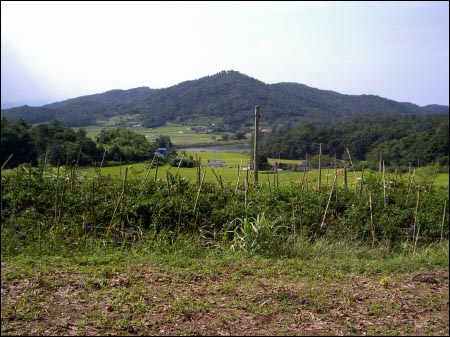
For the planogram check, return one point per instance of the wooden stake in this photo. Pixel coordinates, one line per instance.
(246, 193)
(329, 198)
(371, 219)
(350, 157)
(7, 160)
(384, 183)
(239, 177)
(198, 195)
(362, 181)
(119, 200)
(410, 185)
(150, 167)
(218, 179)
(179, 164)
(432, 180)
(416, 221)
(443, 221)
(255, 145)
(345, 178)
(157, 165)
(319, 180)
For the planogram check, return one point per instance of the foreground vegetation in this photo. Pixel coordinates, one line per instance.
(90, 254)
(60, 206)
(183, 286)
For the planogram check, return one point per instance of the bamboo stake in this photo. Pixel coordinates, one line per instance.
(380, 166)
(150, 167)
(371, 219)
(94, 217)
(410, 185)
(45, 162)
(303, 177)
(78, 158)
(179, 164)
(101, 164)
(319, 180)
(350, 157)
(396, 177)
(246, 187)
(329, 198)
(198, 195)
(443, 222)
(293, 221)
(362, 181)
(416, 221)
(276, 173)
(345, 179)
(268, 180)
(157, 165)
(169, 183)
(239, 177)
(219, 180)
(7, 160)
(119, 200)
(432, 180)
(384, 183)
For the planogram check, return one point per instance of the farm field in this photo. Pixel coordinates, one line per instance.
(179, 134)
(235, 160)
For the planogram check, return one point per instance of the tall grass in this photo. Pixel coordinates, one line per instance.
(59, 212)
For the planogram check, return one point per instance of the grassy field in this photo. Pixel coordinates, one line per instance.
(187, 289)
(230, 175)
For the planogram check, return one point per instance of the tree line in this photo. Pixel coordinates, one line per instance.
(399, 140)
(55, 144)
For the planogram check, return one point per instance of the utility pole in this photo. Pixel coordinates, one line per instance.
(255, 144)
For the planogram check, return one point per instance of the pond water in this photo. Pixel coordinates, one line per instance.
(220, 148)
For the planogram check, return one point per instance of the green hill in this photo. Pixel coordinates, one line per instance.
(227, 98)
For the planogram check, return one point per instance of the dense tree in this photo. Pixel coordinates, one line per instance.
(399, 140)
(125, 145)
(55, 143)
(15, 141)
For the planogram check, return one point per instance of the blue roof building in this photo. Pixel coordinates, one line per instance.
(163, 151)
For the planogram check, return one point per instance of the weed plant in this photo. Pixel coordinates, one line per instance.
(58, 212)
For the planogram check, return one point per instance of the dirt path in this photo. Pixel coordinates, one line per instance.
(234, 302)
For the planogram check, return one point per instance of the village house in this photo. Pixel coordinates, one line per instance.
(216, 163)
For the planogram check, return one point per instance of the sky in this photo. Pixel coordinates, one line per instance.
(51, 51)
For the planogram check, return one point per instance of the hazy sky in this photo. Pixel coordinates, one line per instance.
(52, 51)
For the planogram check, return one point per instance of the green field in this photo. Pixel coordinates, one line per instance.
(179, 134)
(235, 160)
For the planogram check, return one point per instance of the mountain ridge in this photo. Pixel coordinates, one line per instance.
(228, 98)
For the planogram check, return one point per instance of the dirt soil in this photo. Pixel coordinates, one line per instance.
(148, 301)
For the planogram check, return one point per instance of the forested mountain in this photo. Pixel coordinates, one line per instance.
(84, 110)
(227, 99)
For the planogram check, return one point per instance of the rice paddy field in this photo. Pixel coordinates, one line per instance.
(232, 173)
(179, 134)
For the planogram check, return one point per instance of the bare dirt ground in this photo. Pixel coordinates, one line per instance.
(148, 301)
